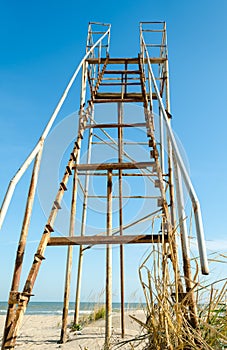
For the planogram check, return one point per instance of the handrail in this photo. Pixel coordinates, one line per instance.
(186, 178)
(13, 182)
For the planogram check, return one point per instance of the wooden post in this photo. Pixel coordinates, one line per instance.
(22, 299)
(120, 151)
(21, 246)
(69, 260)
(109, 264)
(83, 225)
(80, 259)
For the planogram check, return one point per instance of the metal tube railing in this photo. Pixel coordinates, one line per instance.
(27, 162)
(185, 176)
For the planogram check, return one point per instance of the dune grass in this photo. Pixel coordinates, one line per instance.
(168, 324)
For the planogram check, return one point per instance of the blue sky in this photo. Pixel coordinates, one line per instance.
(41, 45)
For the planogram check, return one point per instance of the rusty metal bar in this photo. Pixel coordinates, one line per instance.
(120, 150)
(112, 140)
(187, 180)
(63, 336)
(108, 330)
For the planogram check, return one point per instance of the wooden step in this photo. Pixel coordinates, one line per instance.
(130, 60)
(122, 72)
(114, 166)
(116, 96)
(92, 240)
(119, 84)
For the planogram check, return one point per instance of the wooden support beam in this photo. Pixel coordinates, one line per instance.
(115, 166)
(115, 125)
(86, 240)
(153, 60)
(134, 96)
(122, 72)
(108, 331)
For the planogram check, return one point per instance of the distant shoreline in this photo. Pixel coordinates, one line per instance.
(55, 308)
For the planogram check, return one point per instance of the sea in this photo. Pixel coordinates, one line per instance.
(55, 308)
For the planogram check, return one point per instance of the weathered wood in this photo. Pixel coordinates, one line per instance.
(13, 329)
(153, 60)
(115, 166)
(115, 125)
(82, 232)
(120, 151)
(134, 96)
(108, 327)
(126, 71)
(63, 336)
(120, 84)
(21, 249)
(86, 240)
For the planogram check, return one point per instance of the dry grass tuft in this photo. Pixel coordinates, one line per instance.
(168, 324)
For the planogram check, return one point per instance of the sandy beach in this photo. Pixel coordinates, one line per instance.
(43, 332)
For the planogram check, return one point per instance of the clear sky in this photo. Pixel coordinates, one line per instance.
(41, 45)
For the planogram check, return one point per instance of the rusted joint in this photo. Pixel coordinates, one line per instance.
(49, 228)
(157, 183)
(39, 257)
(160, 202)
(25, 296)
(69, 170)
(14, 297)
(168, 114)
(154, 153)
(57, 205)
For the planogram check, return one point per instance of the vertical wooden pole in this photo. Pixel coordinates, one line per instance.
(83, 226)
(109, 264)
(21, 247)
(171, 185)
(120, 151)
(69, 260)
(181, 216)
(79, 273)
(23, 298)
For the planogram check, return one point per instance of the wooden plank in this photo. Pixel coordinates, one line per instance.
(115, 125)
(153, 60)
(109, 71)
(119, 84)
(125, 100)
(117, 95)
(87, 240)
(114, 166)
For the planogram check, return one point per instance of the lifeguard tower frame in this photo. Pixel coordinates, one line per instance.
(144, 81)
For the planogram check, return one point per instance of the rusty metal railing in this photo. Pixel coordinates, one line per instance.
(180, 168)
